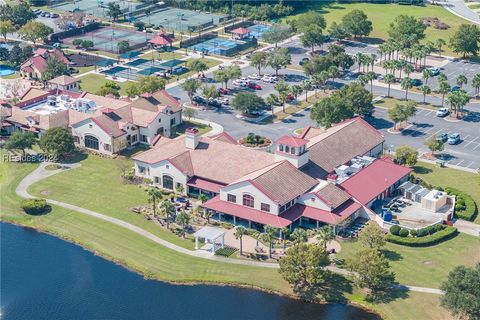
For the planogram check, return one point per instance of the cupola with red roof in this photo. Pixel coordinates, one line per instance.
(293, 149)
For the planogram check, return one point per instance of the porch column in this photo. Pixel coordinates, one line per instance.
(234, 220)
(223, 241)
(196, 243)
(280, 233)
(249, 224)
(318, 224)
(213, 247)
(300, 221)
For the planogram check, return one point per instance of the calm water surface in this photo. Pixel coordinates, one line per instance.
(43, 277)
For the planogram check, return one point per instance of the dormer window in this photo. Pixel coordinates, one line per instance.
(248, 201)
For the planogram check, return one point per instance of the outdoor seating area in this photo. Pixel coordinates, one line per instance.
(353, 229)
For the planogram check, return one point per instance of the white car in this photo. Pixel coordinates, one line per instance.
(442, 112)
(239, 83)
(223, 100)
(269, 79)
(254, 77)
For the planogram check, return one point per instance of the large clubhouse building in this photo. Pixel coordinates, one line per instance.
(102, 124)
(321, 177)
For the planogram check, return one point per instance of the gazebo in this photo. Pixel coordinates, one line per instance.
(210, 236)
(241, 32)
(161, 40)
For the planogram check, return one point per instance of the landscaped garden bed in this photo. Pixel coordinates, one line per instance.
(420, 238)
(255, 141)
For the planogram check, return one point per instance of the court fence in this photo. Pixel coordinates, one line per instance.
(56, 37)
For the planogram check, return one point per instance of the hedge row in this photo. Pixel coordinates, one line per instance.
(435, 238)
(465, 207)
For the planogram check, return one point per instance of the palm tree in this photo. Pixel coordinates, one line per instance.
(442, 77)
(306, 86)
(476, 84)
(408, 69)
(439, 44)
(183, 219)
(333, 72)
(285, 232)
(461, 80)
(444, 88)
(296, 90)
(268, 236)
(299, 235)
(207, 214)
(371, 76)
(406, 84)
(324, 235)
(389, 79)
(359, 58)
(239, 233)
(425, 90)
(427, 74)
(153, 195)
(202, 197)
(457, 100)
(400, 65)
(166, 208)
(191, 86)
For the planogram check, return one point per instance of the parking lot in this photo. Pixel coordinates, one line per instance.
(464, 154)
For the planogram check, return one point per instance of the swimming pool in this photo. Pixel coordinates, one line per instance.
(6, 70)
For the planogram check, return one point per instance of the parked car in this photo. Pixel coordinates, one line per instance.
(222, 91)
(302, 61)
(454, 138)
(442, 137)
(267, 107)
(199, 100)
(214, 103)
(435, 71)
(455, 88)
(254, 77)
(442, 112)
(290, 97)
(223, 100)
(54, 15)
(239, 83)
(416, 82)
(254, 86)
(57, 45)
(269, 78)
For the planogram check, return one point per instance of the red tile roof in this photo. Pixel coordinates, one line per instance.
(292, 141)
(241, 31)
(224, 136)
(205, 184)
(335, 217)
(249, 213)
(374, 179)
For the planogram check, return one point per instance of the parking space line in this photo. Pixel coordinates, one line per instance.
(428, 113)
(470, 164)
(458, 164)
(470, 142)
(478, 145)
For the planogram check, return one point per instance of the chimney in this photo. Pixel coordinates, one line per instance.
(192, 138)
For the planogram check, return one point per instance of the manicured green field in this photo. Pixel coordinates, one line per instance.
(446, 177)
(429, 266)
(97, 186)
(382, 15)
(92, 83)
(157, 262)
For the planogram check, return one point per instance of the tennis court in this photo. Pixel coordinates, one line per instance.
(257, 30)
(107, 38)
(144, 63)
(181, 19)
(218, 46)
(121, 72)
(95, 7)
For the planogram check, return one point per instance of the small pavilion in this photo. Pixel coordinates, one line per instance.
(160, 40)
(210, 235)
(241, 32)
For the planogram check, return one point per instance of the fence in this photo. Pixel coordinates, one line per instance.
(56, 37)
(198, 39)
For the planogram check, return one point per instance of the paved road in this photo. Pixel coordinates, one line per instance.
(459, 8)
(40, 173)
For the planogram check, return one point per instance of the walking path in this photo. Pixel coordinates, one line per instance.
(41, 173)
(460, 9)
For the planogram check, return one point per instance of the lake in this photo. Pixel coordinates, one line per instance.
(43, 277)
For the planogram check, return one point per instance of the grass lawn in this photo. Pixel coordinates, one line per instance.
(392, 102)
(429, 266)
(92, 83)
(202, 128)
(447, 177)
(157, 262)
(82, 70)
(382, 15)
(112, 197)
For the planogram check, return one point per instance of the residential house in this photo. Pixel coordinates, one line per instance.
(34, 67)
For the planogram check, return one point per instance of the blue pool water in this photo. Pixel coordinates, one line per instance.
(6, 70)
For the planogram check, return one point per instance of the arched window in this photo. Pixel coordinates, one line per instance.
(167, 182)
(248, 201)
(91, 142)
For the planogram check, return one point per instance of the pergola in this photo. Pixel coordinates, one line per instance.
(210, 236)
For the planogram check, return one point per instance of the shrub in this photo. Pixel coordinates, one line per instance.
(35, 206)
(403, 233)
(395, 230)
(422, 233)
(465, 207)
(437, 237)
(413, 233)
(439, 227)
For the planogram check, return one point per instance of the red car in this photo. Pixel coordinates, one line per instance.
(254, 86)
(290, 97)
(222, 91)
